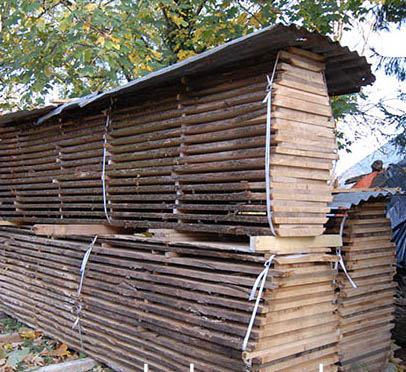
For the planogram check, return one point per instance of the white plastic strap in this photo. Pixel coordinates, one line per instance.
(78, 306)
(268, 101)
(103, 175)
(84, 263)
(341, 262)
(261, 278)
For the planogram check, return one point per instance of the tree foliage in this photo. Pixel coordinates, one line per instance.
(75, 47)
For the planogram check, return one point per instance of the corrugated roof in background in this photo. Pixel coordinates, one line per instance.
(346, 200)
(345, 71)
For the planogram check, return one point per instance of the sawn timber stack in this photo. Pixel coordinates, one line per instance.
(366, 313)
(189, 156)
(144, 301)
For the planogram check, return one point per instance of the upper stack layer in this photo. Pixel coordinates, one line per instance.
(189, 156)
(304, 145)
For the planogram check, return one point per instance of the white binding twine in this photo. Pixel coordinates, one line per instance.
(268, 101)
(341, 262)
(103, 175)
(78, 304)
(261, 278)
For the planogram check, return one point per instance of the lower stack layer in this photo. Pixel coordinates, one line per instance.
(169, 305)
(366, 312)
(301, 330)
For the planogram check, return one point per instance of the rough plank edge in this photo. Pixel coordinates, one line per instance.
(79, 230)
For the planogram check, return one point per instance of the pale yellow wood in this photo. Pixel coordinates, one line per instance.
(285, 304)
(291, 195)
(300, 258)
(307, 54)
(279, 244)
(287, 206)
(304, 117)
(293, 348)
(313, 365)
(277, 328)
(285, 136)
(310, 188)
(303, 173)
(299, 105)
(310, 278)
(300, 290)
(302, 62)
(292, 81)
(285, 91)
(289, 337)
(313, 77)
(299, 220)
(303, 128)
(360, 318)
(9, 223)
(301, 162)
(291, 362)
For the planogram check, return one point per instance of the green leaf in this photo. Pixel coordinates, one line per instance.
(17, 356)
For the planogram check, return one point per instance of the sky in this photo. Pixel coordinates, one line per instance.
(390, 43)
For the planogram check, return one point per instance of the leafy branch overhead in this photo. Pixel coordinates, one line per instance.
(74, 47)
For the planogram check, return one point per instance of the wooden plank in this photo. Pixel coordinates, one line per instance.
(297, 104)
(9, 338)
(295, 347)
(300, 258)
(277, 245)
(9, 223)
(302, 61)
(307, 54)
(78, 365)
(82, 230)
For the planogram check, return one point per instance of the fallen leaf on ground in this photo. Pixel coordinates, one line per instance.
(16, 356)
(32, 360)
(26, 333)
(7, 369)
(61, 351)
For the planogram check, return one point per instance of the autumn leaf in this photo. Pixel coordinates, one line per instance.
(61, 351)
(27, 333)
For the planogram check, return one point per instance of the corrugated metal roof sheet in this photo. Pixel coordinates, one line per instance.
(348, 199)
(26, 114)
(345, 71)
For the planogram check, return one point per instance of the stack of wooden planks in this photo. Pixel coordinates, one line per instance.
(305, 147)
(301, 330)
(188, 156)
(145, 300)
(52, 173)
(366, 312)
